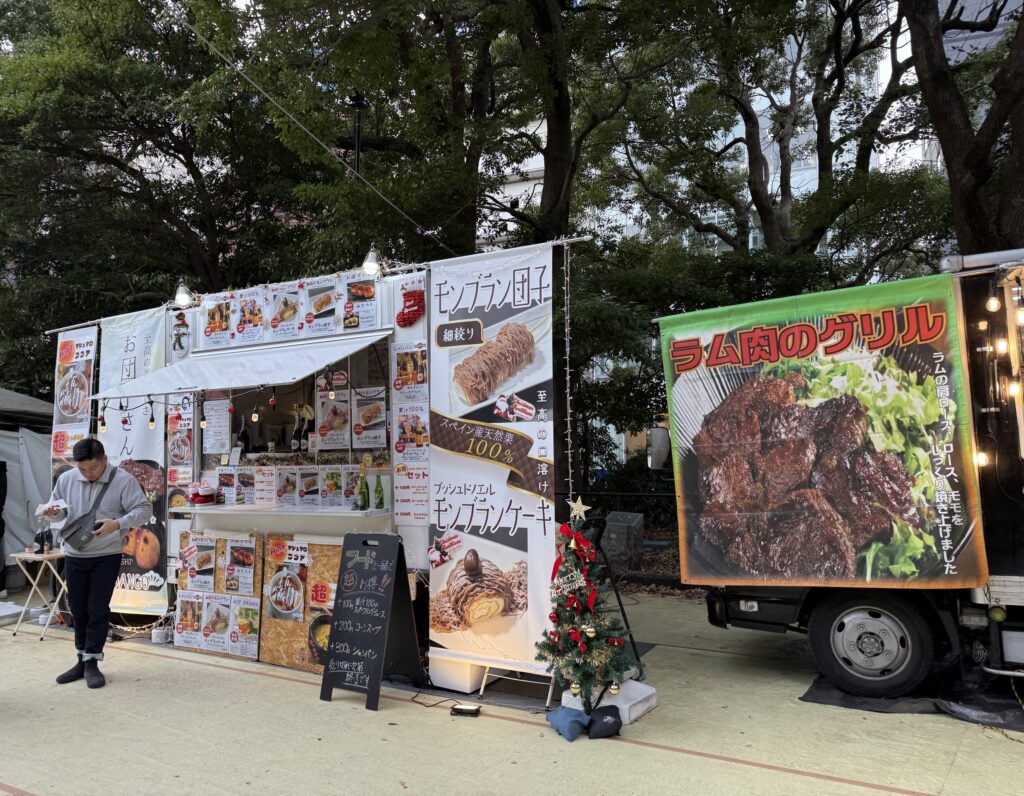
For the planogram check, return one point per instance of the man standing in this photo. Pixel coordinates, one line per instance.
(92, 571)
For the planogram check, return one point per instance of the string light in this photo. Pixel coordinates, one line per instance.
(993, 304)
(152, 417)
(1002, 346)
(202, 414)
(255, 417)
(1013, 388)
(273, 397)
(981, 458)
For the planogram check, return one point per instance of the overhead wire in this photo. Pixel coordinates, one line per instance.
(178, 14)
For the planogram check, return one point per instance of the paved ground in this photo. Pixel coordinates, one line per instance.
(728, 722)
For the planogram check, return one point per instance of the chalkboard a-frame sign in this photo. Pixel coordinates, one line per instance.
(373, 632)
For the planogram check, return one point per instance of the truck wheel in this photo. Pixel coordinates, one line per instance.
(870, 644)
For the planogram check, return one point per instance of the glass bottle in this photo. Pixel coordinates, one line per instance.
(378, 494)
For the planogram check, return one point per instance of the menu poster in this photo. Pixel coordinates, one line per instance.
(369, 411)
(248, 314)
(181, 324)
(338, 485)
(73, 377)
(199, 559)
(238, 566)
(217, 434)
(409, 371)
(265, 486)
(215, 316)
(244, 633)
(358, 294)
(287, 486)
(216, 623)
(333, 415)
(180, 439)
(245, 481)
(320, 305)
(286, 589)
(309, 486)
(411, 464)
(284, 308)
(491, 348)
(188, 613)
(227, 484)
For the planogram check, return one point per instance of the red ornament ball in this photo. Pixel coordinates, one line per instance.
(231, 409)
(124, 421)
(553, 616)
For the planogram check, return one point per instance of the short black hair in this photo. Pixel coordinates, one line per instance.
(87, 450)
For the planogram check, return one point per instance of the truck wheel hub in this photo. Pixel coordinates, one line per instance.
(870, 643)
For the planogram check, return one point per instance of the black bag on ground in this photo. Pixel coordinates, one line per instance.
(604, 722)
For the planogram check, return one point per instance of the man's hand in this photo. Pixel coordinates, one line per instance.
(108, 527)
(51, 511)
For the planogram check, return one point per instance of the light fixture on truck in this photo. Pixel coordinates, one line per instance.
(1013, 388)
(993, 304)
(1002, 346)
(981, 458)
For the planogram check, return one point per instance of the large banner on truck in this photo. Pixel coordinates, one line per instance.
(825, 439)
(491, 510)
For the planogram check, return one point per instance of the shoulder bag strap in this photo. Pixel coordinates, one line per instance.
(106, 486)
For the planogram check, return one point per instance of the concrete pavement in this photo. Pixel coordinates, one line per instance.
(729, 721)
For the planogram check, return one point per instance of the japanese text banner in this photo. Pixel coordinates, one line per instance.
(825, 439)
(491, 477)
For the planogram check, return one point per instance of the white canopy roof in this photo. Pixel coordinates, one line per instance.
(234, 368)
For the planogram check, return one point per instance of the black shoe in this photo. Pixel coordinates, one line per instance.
(93, 676)
(76, 672)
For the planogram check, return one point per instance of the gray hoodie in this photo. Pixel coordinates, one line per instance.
(125, 502)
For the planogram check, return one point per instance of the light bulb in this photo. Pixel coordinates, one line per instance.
(255, 417)
(202, 423)
(371, 265)
(993, 304)
(103, 428)
(1020, 316)
(331, 395)
(1002, 346)
(152, 424)
(981, 458)
(1013, 388)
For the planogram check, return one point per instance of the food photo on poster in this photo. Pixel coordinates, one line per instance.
(821, 441)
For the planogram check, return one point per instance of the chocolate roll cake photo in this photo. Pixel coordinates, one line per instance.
(478, 375)
(478, 590)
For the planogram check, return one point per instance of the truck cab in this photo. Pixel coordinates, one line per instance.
(875, 629)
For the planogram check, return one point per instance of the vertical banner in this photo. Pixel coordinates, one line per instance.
(132, 346)
(492, 483)
(180, 447)
(825, 440)
(73, 378)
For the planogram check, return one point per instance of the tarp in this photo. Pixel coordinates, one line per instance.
(28, 484)
(236, 368)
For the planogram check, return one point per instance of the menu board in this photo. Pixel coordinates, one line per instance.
(188, 614)
(265, 486)
(309, 486)
(198, 559)
(216, 320)
(245, 483)
(287, 486)
(339, 485)
(319, 295)
(412, 463)
(369, 415)
(409, 371)
(372, 630)
(333, 415)
(286, 587)
(227, 484)
(239, 566)
(358, 294)
(244, 627)
(248, 315)
(180, 447)
(216, 622)
(284, 307)
(217, 434)
(73, 379)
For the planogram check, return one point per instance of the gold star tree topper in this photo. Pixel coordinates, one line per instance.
(577, 509)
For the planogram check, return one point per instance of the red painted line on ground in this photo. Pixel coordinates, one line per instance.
(13, 791)
(222, 663)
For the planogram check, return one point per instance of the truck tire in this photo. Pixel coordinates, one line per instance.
(871, 644)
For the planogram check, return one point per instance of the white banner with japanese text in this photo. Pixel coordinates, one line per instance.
(492, 527)
(132, 433)
(73, 381)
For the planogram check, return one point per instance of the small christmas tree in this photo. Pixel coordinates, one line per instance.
(585, 646)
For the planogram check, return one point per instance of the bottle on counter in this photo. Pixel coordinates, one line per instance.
(378, 493)
(364, 490)
(297, 431)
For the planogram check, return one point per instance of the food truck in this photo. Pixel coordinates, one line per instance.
(267, 422)
(848, 464)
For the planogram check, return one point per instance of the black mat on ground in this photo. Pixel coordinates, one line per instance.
(979, 698)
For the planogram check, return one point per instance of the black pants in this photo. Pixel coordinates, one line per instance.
(90, 587)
